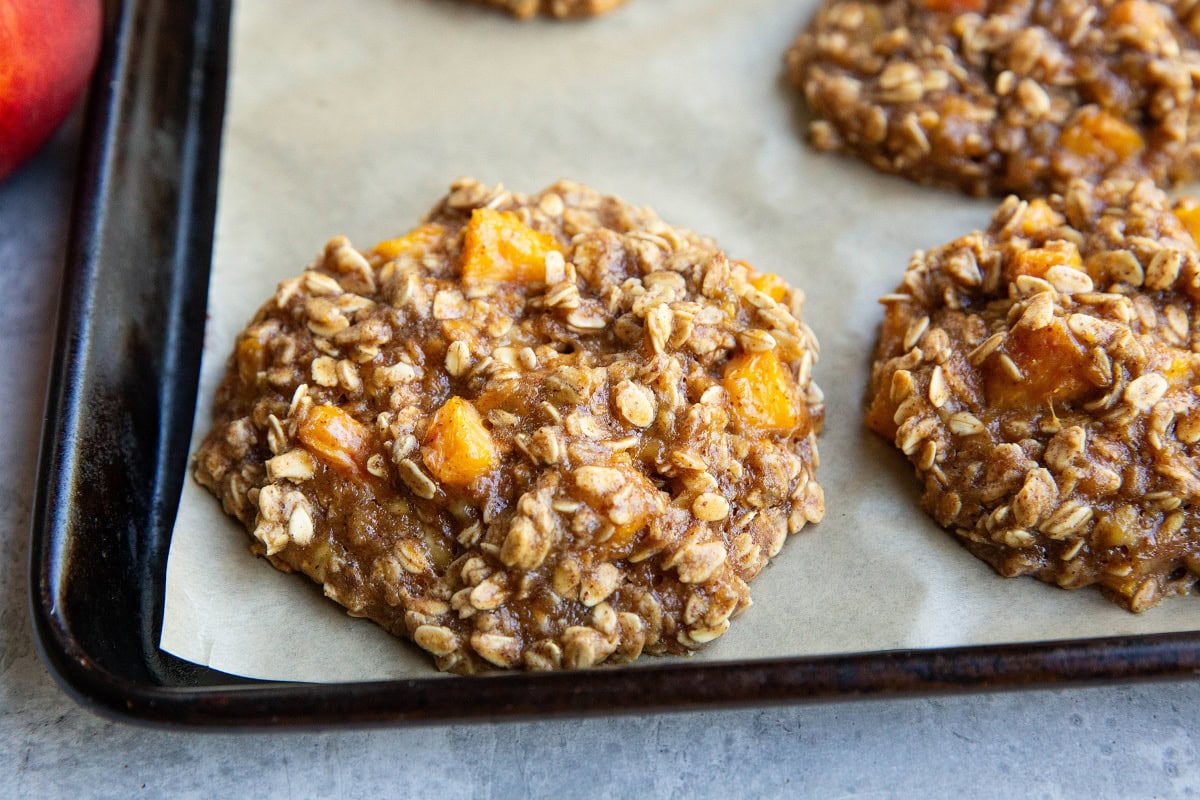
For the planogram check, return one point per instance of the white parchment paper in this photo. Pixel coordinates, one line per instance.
(354, 117)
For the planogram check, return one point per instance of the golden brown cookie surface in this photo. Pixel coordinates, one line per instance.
(1043, 378)
(998, 97)
(543, 431)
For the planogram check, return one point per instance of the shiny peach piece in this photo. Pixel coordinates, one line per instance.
(1052, 364)
(641, 504)
(1098, 134)
(1036, 261)
(458, 449)
(498, 248)
(1039, 217)
(416, 241)
(771, 285)
(337, 439)
(251, 356)
(1189, 215)
(763, 393)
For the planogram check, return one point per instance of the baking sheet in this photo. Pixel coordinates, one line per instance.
(354, 117)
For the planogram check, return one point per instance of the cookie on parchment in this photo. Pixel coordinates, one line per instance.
(541, 432)
(995, 97)
(1043, 378)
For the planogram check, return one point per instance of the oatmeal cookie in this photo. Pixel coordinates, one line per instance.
(997, 97)
(1043, 378)
(562, 9)
(540, 431)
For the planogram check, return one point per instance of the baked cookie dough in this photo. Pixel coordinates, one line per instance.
(543, 431)
(997, 97)
(1043, 378)
(562, 9)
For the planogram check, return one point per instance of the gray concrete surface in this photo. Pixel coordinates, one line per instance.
(1123, 741)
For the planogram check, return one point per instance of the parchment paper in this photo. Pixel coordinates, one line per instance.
(354, 117)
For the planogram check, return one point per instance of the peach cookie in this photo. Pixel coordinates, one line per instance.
(997, 97)
(562, 9)
(1042, 377)
(540, 431)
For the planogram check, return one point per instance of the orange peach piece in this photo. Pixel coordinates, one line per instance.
(1189, 215)
(1179, 368)
(639, 502)
(1039, 217)
(771, 285)
(498, 247)
(768, 283)
(458, 449)
(1052, 364)
(1098, 134)
(626, 498)
(881, 416)
(642, 503)
(763, 393)
(338, 439)
(1038, 260)
(416, 241)
(251, 358)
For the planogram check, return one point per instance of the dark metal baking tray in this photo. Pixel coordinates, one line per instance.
(114, 454)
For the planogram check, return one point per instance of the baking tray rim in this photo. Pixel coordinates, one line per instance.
(233, 702)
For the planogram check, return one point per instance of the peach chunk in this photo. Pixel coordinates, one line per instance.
(457, 448)
(881, 415)
(956, 6)
(338, 439)
(625, 497)
(1177, 366)
(771, 285)
(1098, 134)
(416, 241)
(498, 247)
(251, 358)
(768, 283)
(1053, 368)
(1188, 213)
(763, 393)
(1036, 261)
(1039, 217)
(641, 503)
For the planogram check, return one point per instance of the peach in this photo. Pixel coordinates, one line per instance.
(48, 49)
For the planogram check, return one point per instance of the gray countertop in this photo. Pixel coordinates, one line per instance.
(1127, 741)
